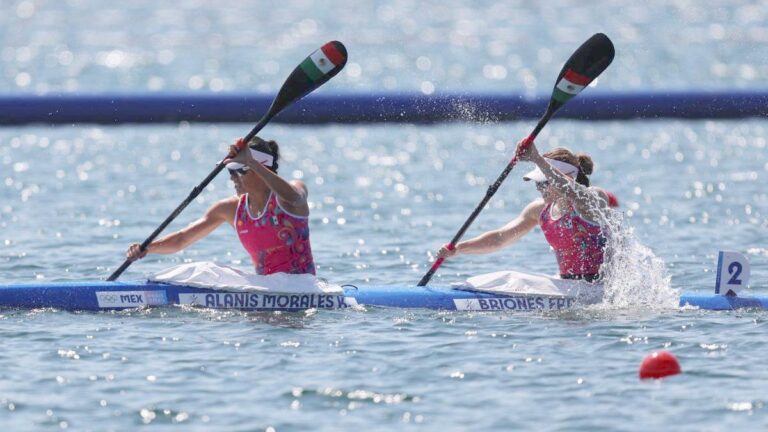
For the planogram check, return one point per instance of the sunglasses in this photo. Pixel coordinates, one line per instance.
(542, 185)
(238, 171)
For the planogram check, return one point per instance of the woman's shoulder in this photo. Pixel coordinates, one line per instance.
(607, 195)
(299, 185)
(534, 208)
(538, 202)
(223, 209)
(229, 203)
(597, 189)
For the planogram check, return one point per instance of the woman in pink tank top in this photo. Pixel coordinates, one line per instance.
(269, 214)
(568, 213)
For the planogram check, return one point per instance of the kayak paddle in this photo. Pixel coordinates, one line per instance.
(314, 71)
(584, 65)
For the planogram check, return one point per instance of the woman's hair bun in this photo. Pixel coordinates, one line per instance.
(585, 163)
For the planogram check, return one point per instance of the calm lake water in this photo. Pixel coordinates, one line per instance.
(383, 197)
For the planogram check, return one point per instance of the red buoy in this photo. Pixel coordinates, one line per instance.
(659, 365)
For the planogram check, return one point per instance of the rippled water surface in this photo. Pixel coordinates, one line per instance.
(424, 46)
(383, 198)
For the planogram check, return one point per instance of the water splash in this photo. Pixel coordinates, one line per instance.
(472, 111)
(634, 276)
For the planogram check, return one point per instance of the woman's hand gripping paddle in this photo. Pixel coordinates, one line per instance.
(314, 71)
(584, 65)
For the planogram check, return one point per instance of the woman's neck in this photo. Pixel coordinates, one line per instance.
(559, 206)
(257, 194)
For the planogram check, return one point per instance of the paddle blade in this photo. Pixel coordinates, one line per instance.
(584, 65)
(314, 71)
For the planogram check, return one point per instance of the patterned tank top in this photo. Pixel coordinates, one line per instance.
(276, 240)
(579, 244)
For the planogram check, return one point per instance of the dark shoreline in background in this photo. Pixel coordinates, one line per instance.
(116, 108)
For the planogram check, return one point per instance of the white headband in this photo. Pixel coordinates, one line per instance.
(261, 157)
(564, 167)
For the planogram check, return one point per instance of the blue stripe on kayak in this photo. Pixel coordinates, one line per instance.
(82, 296)
(721, 302)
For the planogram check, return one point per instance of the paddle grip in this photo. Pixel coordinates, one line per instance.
(522, 147)
(241, 144)
(425, 279)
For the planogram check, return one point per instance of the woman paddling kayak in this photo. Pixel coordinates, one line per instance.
(568, 212)
(269, 214)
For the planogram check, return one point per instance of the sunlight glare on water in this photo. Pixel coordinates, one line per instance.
(383, 198)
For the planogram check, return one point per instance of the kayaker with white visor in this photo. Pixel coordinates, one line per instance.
(569, 214)
(269, 214)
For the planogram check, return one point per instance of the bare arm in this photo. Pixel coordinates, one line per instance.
(499, 238)
(221, 212)
(291, 194)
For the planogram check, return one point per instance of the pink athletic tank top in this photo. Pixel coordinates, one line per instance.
(276, 240)
(578, 244)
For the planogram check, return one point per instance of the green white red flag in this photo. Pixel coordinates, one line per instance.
(570, 85)
(322, 61)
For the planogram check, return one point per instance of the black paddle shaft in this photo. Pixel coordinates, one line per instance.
(584, 65)
(304, 79)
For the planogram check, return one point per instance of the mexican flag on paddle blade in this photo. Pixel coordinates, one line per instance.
(322, 61)
(570, 85)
